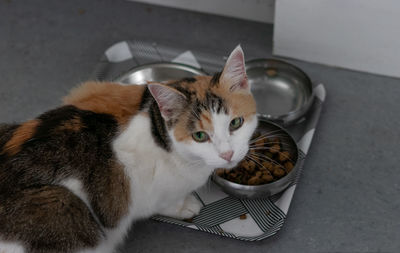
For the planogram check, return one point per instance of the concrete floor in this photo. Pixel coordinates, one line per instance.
(348, 196)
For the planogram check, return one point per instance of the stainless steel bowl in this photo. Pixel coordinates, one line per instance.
(282, 91)
(265, 190)
(158, 72)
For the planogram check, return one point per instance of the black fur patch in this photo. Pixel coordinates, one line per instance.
(215, 103)
(212, 102)
(6, 132)
(48, 219)
(51, 155)
(215, 79)
(158, 125)
(188, 80)
(158, 128)
(28, 191)
(146, 99)
(188, 94)
(197, 109)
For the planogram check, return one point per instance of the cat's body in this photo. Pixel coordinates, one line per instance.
(75, 178)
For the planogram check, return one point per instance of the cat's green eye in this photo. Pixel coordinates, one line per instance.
(200, 136)
(236, 123)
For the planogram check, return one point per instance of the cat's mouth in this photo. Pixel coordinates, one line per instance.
(231, 164)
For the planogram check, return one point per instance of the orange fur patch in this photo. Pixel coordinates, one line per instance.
(198, 88)
(205, 123)
(111, 98)
(22, 134)
(206, 117)
(180, 132)
(241, 103)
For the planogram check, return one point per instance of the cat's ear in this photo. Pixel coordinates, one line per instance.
(169, 100)
(234, 73)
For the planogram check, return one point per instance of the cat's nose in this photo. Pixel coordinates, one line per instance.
(227, 155)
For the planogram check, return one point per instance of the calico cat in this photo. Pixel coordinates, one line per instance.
(75, 178)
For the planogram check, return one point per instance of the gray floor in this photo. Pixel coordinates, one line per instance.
(348, 199)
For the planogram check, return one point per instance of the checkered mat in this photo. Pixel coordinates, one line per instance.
(249, 220)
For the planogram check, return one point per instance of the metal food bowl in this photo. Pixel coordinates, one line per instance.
(158, 72)
(282, 91)
(264, 190)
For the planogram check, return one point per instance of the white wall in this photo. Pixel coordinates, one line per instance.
(256, 10)
(356, 34)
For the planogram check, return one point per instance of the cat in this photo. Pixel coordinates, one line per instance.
(75, 178)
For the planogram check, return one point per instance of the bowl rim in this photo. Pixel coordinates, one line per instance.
(267, 185)
(294, 115)
(196, 71)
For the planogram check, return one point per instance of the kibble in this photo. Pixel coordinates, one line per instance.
(268, 165)
(283, 156)
(269, 162)
(267, 178)
(289, 166)
(255, 180)
(279, 172)
(271, 72)
(275, 148)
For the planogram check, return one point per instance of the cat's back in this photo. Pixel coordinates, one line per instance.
(118, 100)
(70, 139)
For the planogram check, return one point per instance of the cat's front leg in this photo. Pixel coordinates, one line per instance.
(184, 209)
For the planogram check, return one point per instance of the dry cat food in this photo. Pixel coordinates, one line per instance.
(266, 162)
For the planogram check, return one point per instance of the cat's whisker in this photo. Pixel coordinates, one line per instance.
(255, 160)
(259, 157)
(268, 148)
(283, 154)
(195, 163)
(278, 135)
(263, 136)
(268, 143)
(273, 131)
(263, 157)
(268, 137)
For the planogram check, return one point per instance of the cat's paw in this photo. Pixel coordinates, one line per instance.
(185, 209)
(191, 207)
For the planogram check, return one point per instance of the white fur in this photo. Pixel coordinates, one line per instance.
(11, 247)
(160, 181)
(76, 187)
(158, 178)
(184, 209)
(221, 141)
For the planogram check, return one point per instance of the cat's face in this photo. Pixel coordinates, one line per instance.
(210, 120)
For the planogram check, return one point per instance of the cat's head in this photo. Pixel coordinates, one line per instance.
(210, 120)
